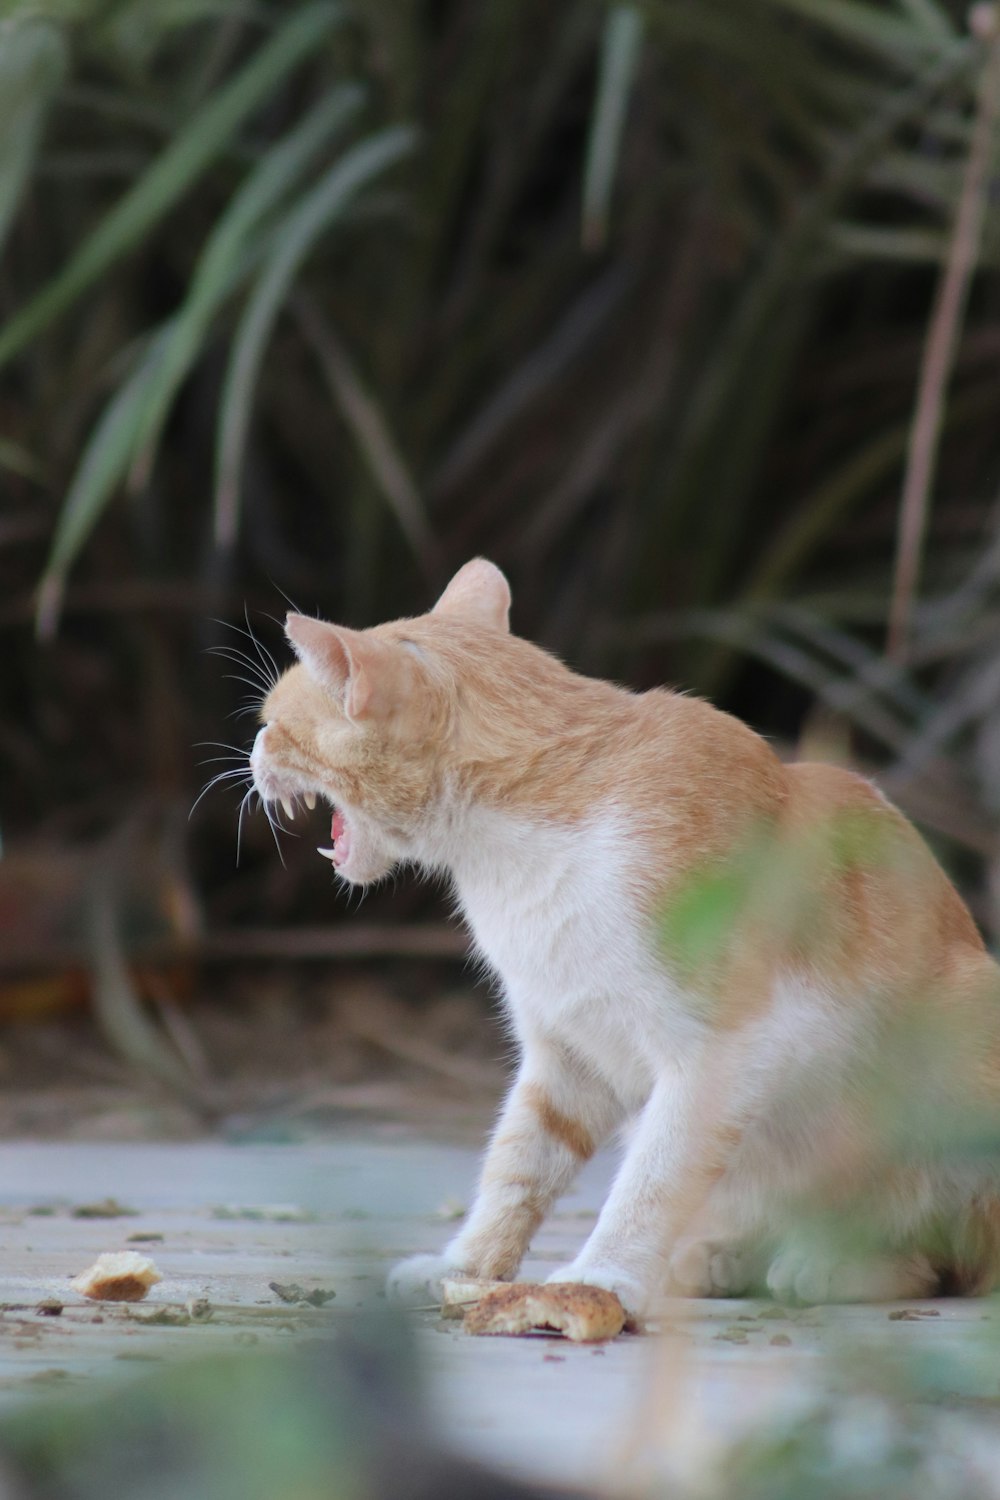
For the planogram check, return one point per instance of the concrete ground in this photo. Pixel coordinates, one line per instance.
(224, 1221)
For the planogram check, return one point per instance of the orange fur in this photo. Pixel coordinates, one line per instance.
(568, 1132)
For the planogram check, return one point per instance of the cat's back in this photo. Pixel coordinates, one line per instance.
(884, 877)
(698, 772)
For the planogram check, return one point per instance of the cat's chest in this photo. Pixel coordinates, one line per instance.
(555, 914)
(538, 897)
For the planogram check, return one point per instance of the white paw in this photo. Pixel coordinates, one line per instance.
(416, 1282)
(631, 1293)
(709, 1268)
(799, 1276)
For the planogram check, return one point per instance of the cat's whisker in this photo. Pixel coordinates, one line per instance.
(234, 653)
(221, 745)
(230, 771)
(261, 649)
(239, 821)
(240, 659)
(237, 772)
(274, 832)
(287, 598)
(278, 823)
(248, 681)
(267, 660)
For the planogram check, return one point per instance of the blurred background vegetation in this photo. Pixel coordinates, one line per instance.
(314, 302)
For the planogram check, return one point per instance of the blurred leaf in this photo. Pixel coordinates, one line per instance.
(172, 174)
(872, 26)
(371, 429)
(223, 260)
(33, 63)
(19, 461)
(133, 417)
(104, 461)
(932, 17)
(745, 357)
(292, 242)
(620, 46)
(843, 488)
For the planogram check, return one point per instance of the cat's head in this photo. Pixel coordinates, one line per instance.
(364, 721)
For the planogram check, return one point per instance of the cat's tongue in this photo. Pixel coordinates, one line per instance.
(340, 834)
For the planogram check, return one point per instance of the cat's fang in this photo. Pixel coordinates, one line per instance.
(327, 853)
(310, 800)
(289, 807)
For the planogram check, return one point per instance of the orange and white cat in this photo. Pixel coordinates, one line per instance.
(760, 966)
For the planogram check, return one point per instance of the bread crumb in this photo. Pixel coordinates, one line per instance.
(117, 1276)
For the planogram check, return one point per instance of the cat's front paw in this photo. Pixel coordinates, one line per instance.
(416, 1282)
(631, 1293)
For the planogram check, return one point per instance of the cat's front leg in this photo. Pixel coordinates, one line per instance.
(553, 1120)
(685, 1137)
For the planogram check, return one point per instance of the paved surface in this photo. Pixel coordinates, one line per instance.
(333, 1216)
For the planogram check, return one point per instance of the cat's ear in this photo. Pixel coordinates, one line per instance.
(365, 675)
(479, 593)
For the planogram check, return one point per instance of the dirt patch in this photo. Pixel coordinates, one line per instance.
(282, 1053)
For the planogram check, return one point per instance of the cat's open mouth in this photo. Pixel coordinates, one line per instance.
(340, 832)
(341, 835)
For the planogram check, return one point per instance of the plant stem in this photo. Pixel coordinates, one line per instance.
(939, 353)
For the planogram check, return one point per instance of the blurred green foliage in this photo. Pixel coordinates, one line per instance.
(321, 300)
(342, 1419)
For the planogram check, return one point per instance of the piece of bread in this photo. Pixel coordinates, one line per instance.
(459, 1293)
(585, 1314)
(118, 1276)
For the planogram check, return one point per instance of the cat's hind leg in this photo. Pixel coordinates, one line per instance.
(809, 1274)
(972, 1265)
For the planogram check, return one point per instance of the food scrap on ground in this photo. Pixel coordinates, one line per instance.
(583, 1314)
(117, 1276)
(290, 1291)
